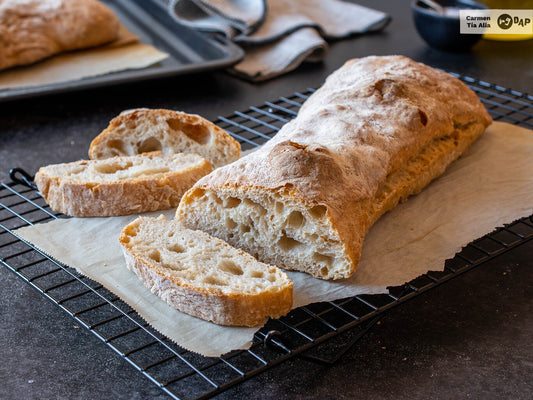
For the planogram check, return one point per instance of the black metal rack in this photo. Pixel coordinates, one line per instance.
(312, 331)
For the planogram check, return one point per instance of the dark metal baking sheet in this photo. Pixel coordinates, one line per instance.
(188, 50)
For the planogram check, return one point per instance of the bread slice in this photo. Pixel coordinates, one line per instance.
(143, 130)
(120, 185)
(32, 30)
(204, 276)
(379, 130)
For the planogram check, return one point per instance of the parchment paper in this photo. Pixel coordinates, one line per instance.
(490, 186)
(124, 53)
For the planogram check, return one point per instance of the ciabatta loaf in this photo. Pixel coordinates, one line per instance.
(143, 130)
(377, 131)
(32, 30)
(204, 276)
(120, 185)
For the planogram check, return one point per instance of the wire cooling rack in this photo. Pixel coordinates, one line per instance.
(321, 332)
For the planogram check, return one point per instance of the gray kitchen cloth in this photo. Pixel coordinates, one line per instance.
(278, 35)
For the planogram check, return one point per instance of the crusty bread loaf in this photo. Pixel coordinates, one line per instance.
(378, 130)
(32, 30)
(120, 185)
(141, 130)
(204, 276)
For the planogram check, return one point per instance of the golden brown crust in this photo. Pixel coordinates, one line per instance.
(370, 121)
(32, 30)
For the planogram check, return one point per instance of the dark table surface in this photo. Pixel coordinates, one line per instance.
(469, 338)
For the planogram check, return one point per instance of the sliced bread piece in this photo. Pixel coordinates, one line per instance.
(120, 185)
(144, 130)
(204, 276)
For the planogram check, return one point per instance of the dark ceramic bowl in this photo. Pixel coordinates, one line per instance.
(442, 31)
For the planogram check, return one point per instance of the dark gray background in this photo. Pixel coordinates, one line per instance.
(470, 338)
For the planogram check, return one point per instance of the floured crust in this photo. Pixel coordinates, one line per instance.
(32, 30)
(193, 280)
(141, 130)
(120, 186)
(377, 131)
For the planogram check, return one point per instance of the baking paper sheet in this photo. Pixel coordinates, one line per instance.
(123, 54)
(489, 186)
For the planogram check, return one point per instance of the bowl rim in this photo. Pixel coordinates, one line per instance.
(415, 6)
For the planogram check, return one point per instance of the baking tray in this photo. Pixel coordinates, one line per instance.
(189, 51)
(321, 332)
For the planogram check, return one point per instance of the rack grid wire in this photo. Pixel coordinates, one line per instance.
(328, 328)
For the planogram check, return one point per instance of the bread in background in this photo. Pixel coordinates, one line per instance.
(33, 30)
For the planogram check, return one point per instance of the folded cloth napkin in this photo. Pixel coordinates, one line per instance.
(278, 35)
